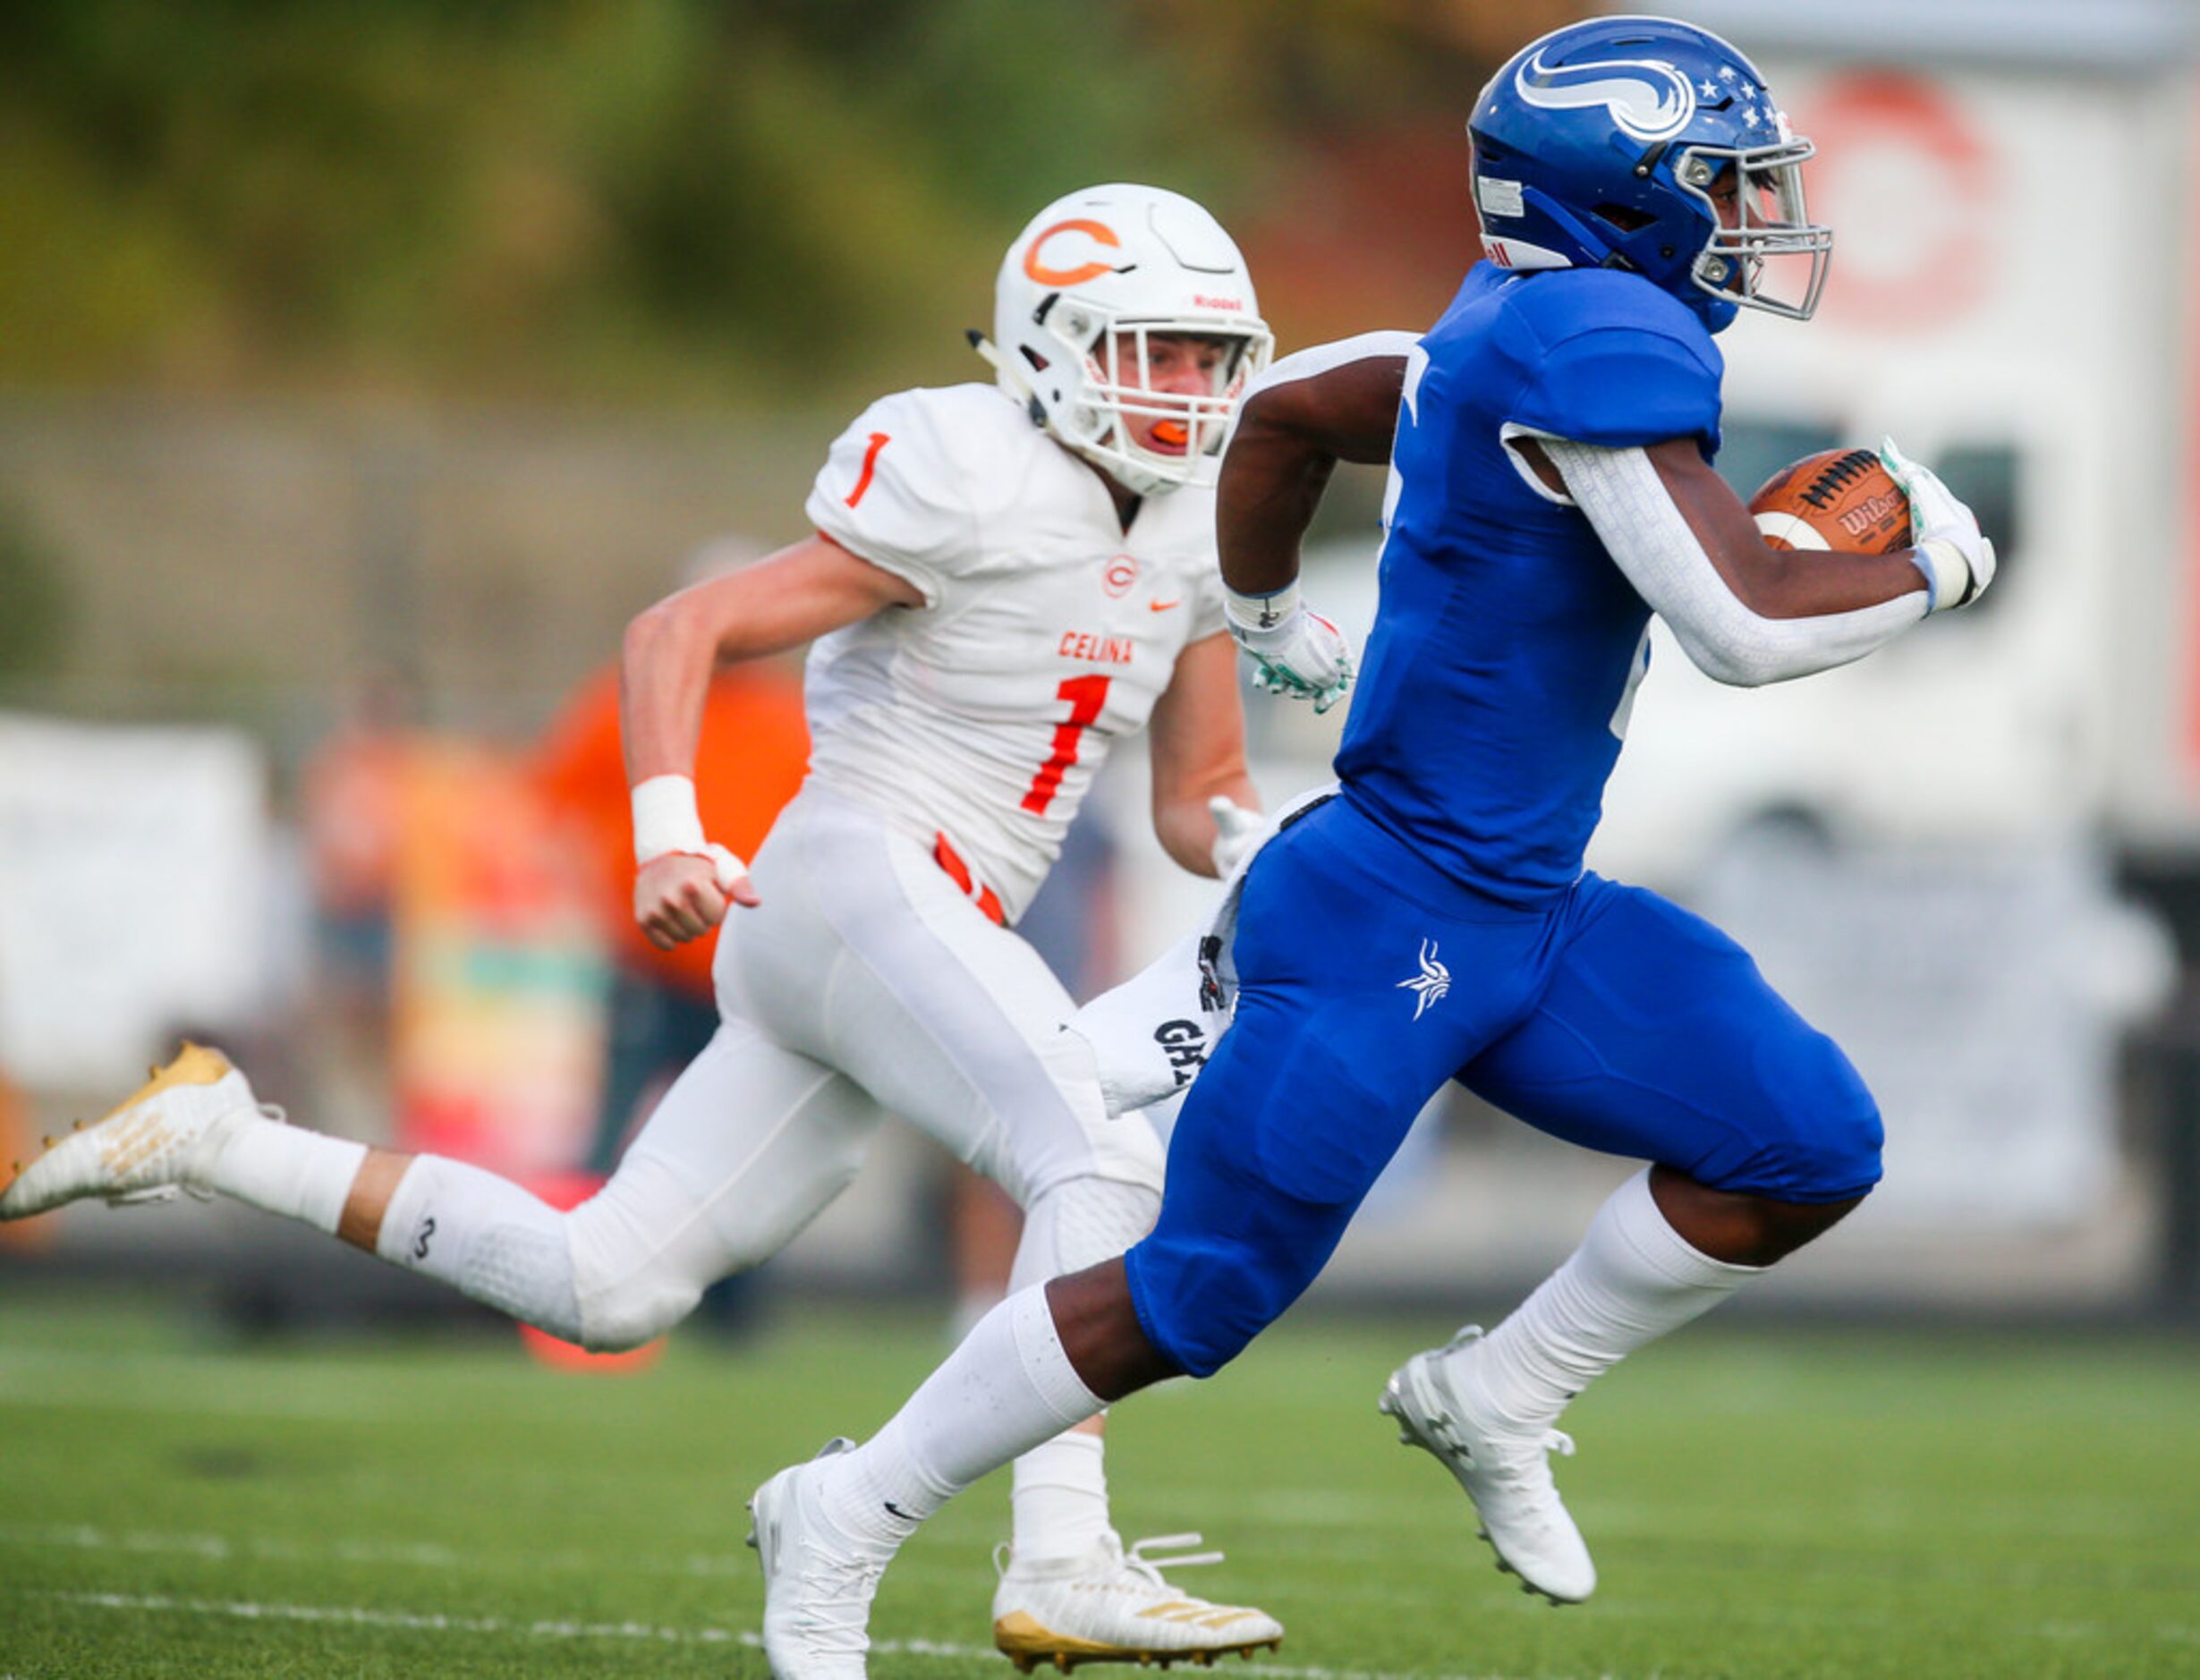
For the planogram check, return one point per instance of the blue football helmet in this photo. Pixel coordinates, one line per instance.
(1613, 143)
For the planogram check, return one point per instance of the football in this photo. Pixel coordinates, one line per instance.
(1838, 498)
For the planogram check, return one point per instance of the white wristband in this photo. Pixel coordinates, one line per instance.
(1948, 575)
(665, 820)
(1251, 617)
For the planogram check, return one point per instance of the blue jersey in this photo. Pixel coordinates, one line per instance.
(1488, 714)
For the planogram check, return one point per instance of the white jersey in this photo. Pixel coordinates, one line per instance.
(1047, 630)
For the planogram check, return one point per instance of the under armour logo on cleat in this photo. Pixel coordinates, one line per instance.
(1431, 983)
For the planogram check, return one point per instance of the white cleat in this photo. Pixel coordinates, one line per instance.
(818, 1583)
(1506, 1472)
(157, 1142)
(1110, 1606)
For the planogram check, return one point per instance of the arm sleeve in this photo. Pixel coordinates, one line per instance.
(1649, 540)
(1320, 359)
(1304, 364)
(1618, 385)
(891, 493)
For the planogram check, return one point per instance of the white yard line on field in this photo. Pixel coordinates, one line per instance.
(418, 1554)
(429, 1622)
(83, 1537)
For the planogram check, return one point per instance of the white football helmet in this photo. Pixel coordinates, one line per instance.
(1083, 287)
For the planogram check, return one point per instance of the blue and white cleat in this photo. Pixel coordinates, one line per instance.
(156, 1142)
(1506, 1472)
(818, 1583)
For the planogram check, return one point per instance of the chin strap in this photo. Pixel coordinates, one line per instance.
(1011, 377)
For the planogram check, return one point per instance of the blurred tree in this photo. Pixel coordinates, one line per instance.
(677, 201)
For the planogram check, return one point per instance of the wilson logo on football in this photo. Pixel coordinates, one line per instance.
(1038, 267)
(1858, 520)
(1121, 574)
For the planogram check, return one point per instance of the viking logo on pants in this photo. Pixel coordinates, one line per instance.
(1431, 983)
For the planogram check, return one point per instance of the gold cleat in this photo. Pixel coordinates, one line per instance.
(1027, 1644)
(145, 1148)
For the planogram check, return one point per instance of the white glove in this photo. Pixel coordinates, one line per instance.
(1299, 655)
(1957, 562)
(1236, 832)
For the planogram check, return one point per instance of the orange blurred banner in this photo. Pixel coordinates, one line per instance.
(499, 980)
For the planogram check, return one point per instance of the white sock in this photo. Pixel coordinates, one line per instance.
(1005, 1389)
(487, 1238)
(1633, 1279)
(1060, 1500)
(285, 1169)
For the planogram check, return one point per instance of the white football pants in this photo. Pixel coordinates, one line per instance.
(865, 983)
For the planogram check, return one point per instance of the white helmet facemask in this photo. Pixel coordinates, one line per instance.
(1085, 293)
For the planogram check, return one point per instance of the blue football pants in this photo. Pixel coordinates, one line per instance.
(1604, 1015)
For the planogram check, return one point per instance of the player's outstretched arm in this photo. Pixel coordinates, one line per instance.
(1196, 740)
(685, 883)
(1746, 613)
(1312, 410)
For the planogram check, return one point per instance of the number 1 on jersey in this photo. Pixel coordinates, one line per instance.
(1086, 695)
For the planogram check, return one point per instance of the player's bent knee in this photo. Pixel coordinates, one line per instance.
(1827, 1146)
(635, 1276)
(1839, 1158)
(635, 1311)
(1201, 1309)
(1096, 1219)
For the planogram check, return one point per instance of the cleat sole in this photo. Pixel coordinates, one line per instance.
(1067, 1658)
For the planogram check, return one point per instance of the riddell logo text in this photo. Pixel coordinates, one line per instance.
(1217, 303)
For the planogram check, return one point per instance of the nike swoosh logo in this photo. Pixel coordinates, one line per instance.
(1163, 606)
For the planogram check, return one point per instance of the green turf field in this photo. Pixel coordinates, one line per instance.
(1762, 1503)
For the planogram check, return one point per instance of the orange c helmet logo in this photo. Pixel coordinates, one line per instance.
(1099, 232)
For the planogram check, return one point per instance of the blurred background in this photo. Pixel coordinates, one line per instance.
(363, 370)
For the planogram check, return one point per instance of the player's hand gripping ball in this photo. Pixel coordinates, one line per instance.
(1841, 499)
(1856, 501)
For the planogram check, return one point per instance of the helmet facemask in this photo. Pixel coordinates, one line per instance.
(1770, 233)
(1116, 404)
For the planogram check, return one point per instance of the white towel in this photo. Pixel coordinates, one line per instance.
(1153, 1034)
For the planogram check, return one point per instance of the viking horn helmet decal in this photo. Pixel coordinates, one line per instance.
(1649, 99)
